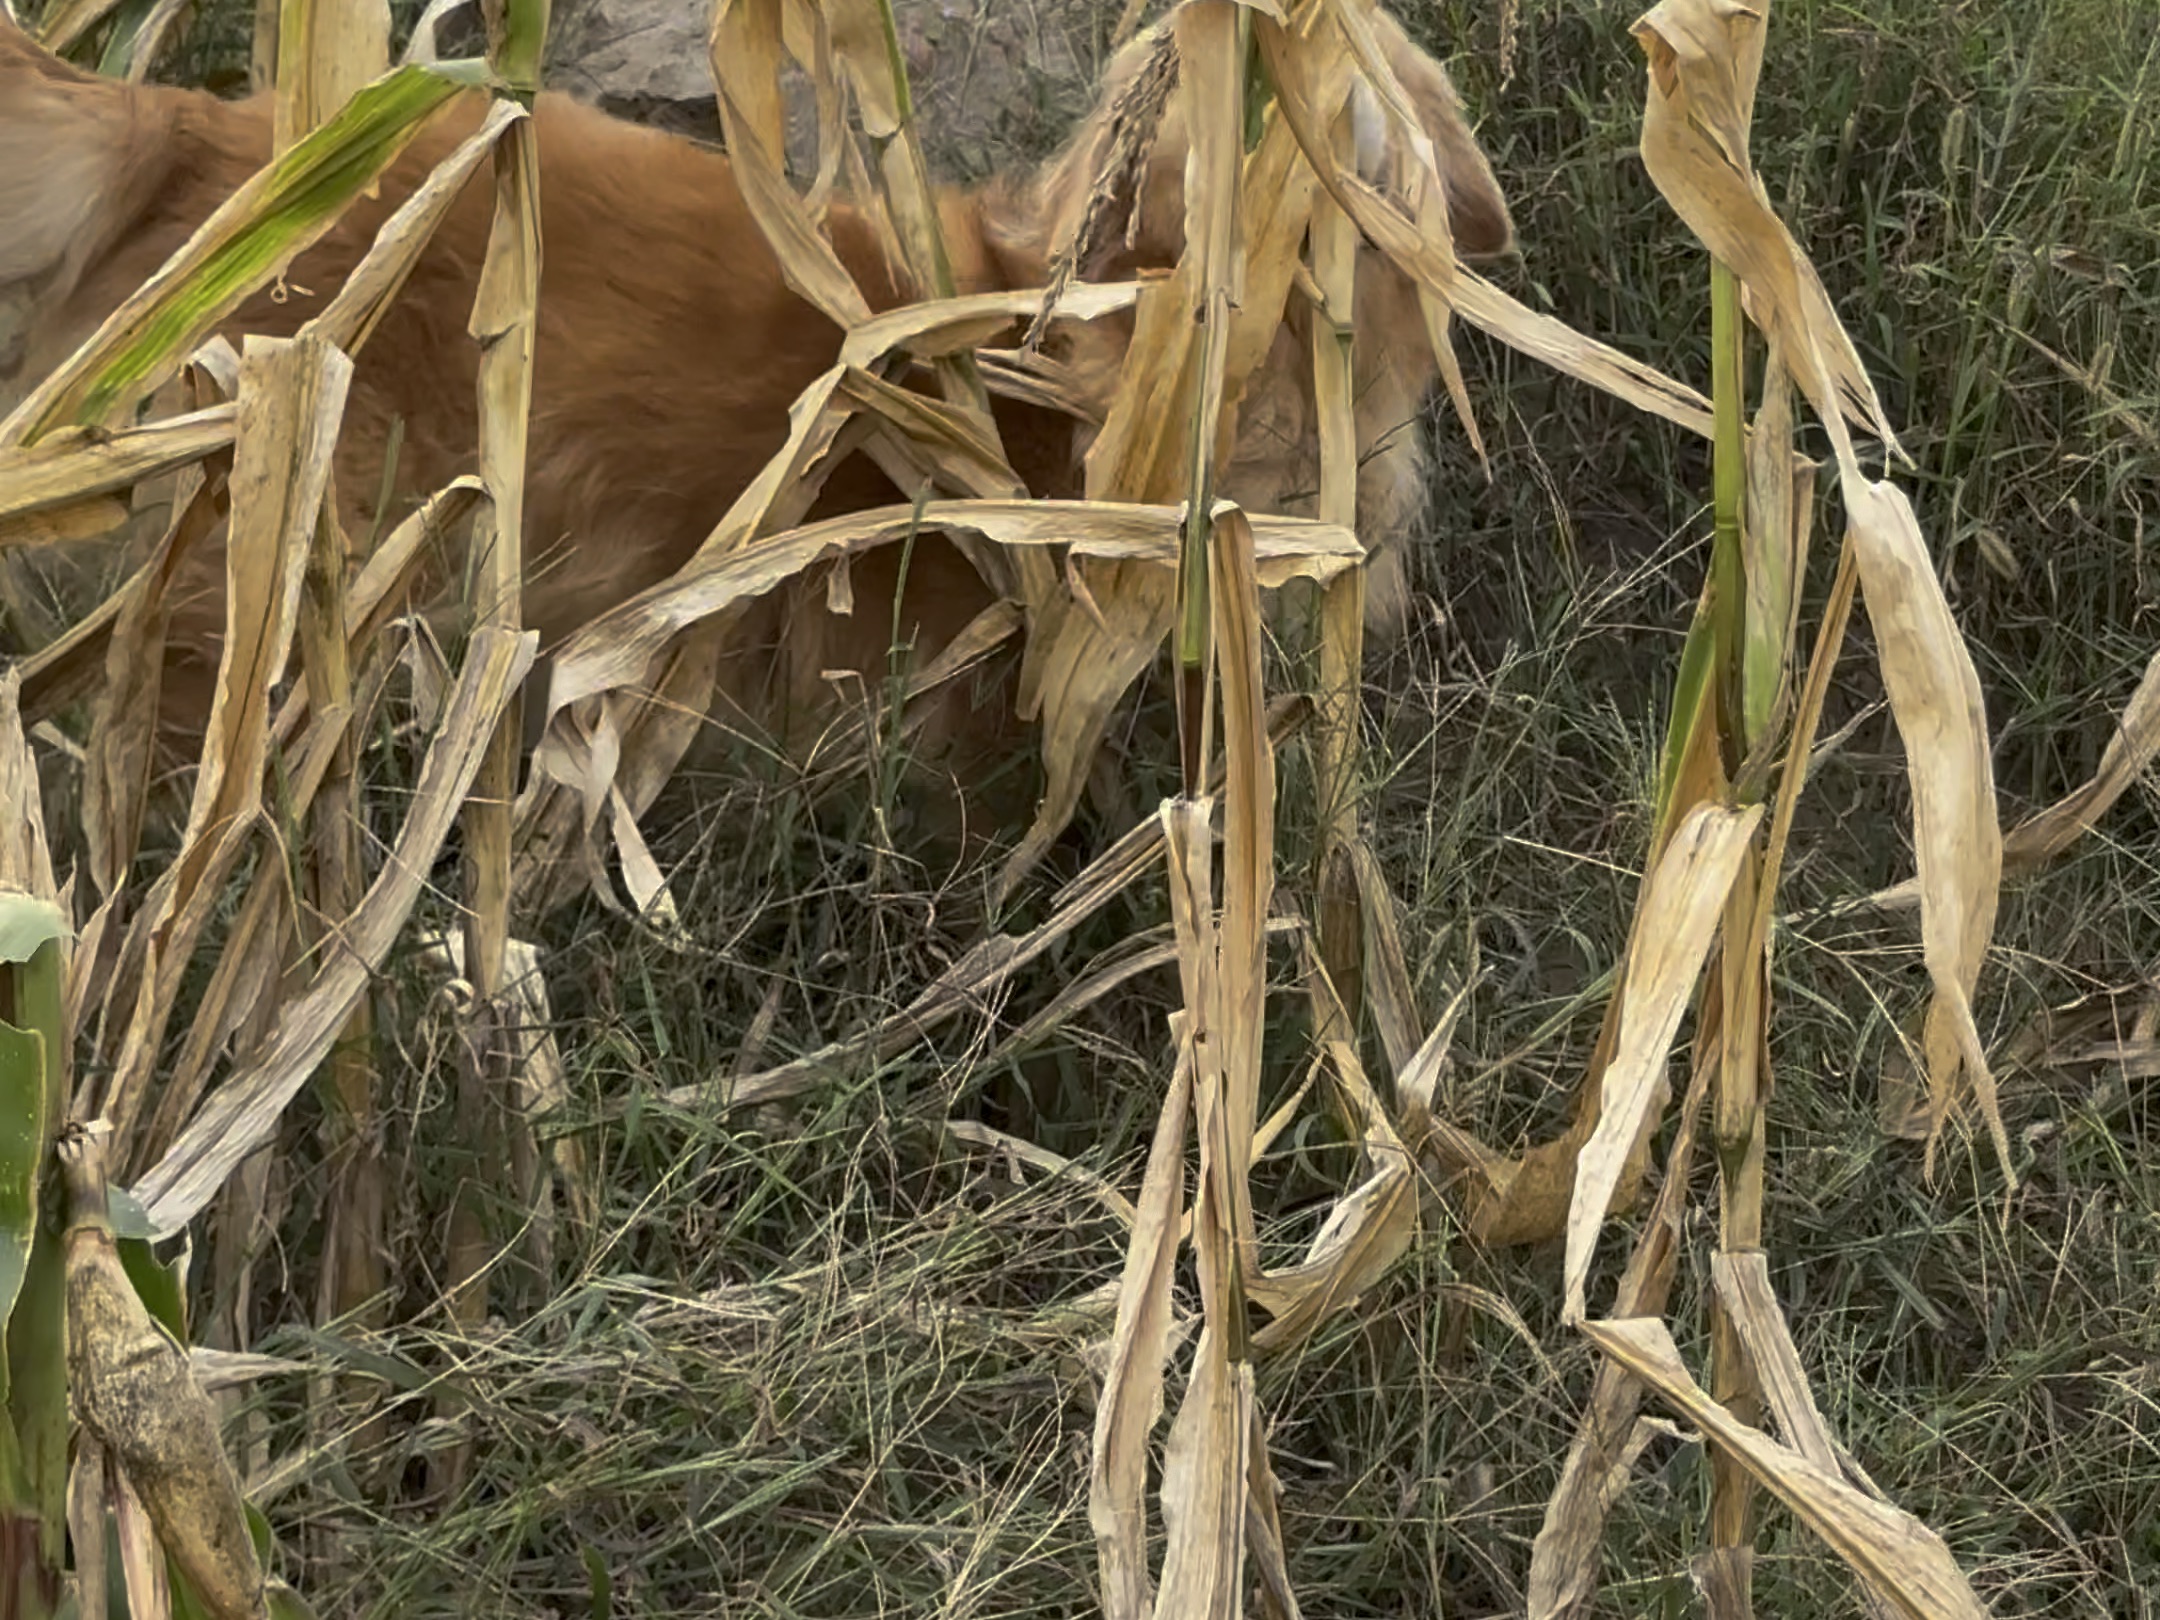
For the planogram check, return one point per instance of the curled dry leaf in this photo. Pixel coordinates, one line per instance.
(2040, 838)
(1957, 844)
(1705, 57)
(1897, 1554)
(1373, 1223)
(131, 1386)
(2045, 834)
(950, 325)
(747, 46)
(1743, 1289)
(1677, 918)
(615, 649)
(1470, 295)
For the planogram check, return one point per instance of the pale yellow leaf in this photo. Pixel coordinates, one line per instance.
(1564, 1556)
(1957, 844)
(1132, 1395)
(1675, 921)
(1205, 1465)
(1897, 1554)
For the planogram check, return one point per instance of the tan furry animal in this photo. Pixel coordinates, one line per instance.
(669, 347)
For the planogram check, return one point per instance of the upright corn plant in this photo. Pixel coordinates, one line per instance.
(1714, 866)
(503, 325)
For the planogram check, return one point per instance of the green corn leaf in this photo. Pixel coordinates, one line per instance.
(283, 210)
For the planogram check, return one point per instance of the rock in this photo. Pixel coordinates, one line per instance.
(996, 83)
(641, 59)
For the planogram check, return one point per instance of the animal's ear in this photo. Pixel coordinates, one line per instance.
(1477, 208)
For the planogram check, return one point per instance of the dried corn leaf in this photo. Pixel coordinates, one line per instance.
(1894, 1552)
(1705, 57)
(374, 598)
(614, 649)
(59, 525)
(1683, 898)
(2040, 838)
(1564, 1557)
(116, 777)
(1248, 856)
(363, 297)
(1750, 1307)
(86, 1513)
(327, 51)
(1468, 294)
(1197, 1029)
(1205, 1467)
(864, 43)
(1743, 1288)
(1155, 438)
(746, 47)
(66, 468)
(1424, 1131)
(638, 735)
(950, 325)
(292, 398)
(1780, 502)
(246, 1108)
(937, 441)
(1370, 1227)
(1957, 845)
(1263, 1527)
(250, 967)
(1132, 1395)
(1425, 199)
(142, 1560)
(1390, 996)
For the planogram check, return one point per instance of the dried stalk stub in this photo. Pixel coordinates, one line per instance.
(132, 1389)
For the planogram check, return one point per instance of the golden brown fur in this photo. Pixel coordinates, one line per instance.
(668, 350)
